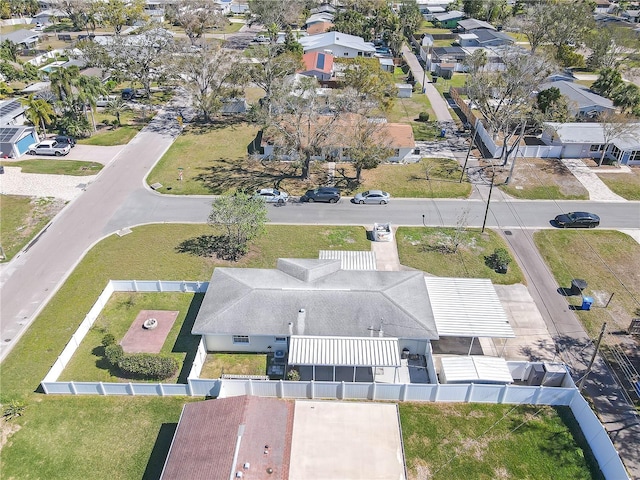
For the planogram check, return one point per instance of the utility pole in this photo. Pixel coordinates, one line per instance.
(593, 358)
(486, 211)
(473, 142)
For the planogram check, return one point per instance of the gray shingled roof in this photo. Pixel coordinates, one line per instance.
(249, 301)
(580, 95)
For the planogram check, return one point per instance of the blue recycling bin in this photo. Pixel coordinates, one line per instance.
(586, 303)
(443, 132)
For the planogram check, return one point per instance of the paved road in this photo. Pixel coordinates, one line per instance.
(34, 276)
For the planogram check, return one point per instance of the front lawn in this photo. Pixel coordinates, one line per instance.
(608, 260)
(23, 217)
(425, 131)
(112, 136)
(433, 251)
(488, 441)
(406, 110)
(458, 80)
(54, 166)
(627, 185)
(429, 178)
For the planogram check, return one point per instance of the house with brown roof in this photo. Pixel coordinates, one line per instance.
(216, 439)
(317, 64)
(319, 27)
(396, 136)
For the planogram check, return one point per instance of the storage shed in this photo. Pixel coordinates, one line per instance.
(474, 369)
(404, 90)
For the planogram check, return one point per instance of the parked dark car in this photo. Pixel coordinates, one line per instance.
(577, 220)
(131, 93)
(62, 139)
(321, 194)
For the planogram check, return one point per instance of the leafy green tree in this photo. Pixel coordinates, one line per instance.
(627, 97)
(5, 90)
(242, 216)
(118, 13)
(5, 9)
(9, 51)
(39, 112)
(368, 79)
(410, 17)
(553, 106)
(89, 89)
(473, 8)
(568, 57)
(352, 22)
(291, 44)
(608, 80)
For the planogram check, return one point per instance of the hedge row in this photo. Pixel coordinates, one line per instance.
(139, 365)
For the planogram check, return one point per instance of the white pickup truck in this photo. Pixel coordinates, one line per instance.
(382, 232)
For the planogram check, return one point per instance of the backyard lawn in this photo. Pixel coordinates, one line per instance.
(23, 217)
(88, 363)
(485, 441)
(234, 363)
(433, 250)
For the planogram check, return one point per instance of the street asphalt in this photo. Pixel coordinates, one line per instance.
(118, 198)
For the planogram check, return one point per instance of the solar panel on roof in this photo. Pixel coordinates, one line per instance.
(9, 107)
(8, 133)
(320, 61)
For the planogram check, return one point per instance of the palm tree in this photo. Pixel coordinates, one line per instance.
(39, 112)
(116, 107)
(89, 89)
(62, 80)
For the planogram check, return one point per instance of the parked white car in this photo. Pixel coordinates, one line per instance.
(49, 147)
(104, 100)
(271, 195)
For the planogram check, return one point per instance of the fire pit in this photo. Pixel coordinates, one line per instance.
(150, 324)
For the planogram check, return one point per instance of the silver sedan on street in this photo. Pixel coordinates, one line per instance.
(377, 197)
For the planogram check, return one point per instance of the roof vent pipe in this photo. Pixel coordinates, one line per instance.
(302, 315)
(290, 328)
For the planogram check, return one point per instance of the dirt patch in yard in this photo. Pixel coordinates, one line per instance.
(539, 179)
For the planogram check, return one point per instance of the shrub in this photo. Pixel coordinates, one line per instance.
(13, 410)
(108, 339)
(148, 365)
(293, 375)
(113, 353)
(499, 259)
(423, 117)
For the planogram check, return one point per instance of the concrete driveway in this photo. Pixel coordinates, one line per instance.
(88, 153)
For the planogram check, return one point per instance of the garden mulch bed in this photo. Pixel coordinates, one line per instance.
(142, 340)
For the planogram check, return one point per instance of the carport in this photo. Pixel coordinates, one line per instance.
(351, 352)
(467, 308)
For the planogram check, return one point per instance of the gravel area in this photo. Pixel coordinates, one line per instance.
(65, 187)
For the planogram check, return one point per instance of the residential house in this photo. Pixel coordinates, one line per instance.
(11, 112)
(472, 24)
(583, 103)
(454, 58)
(603, 7)
(341, 323)
(318, 18)
(338, 44)
(448, 19)
(234, 106)
(632, 16)
(324, 8)
(317, 64)
(427, 5)
(319, 27)
(429, 12)
(23, 38)
(396, 136)
(15, 140)
(251, 435)
(483, 37)
(587, 140)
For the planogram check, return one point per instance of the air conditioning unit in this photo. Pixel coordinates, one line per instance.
(536, 375)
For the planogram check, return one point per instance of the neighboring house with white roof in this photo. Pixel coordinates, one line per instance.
(338, 44)
(23, 38)
(583, 103)
(11, 112)
(586, 140)
(448, 19)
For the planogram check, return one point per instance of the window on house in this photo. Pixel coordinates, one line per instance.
(281, 339)
(346, 54)
(635, 156)
(396, 152)
(596, 148)
(240, 339)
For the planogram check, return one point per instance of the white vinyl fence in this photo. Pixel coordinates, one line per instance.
(595, 434)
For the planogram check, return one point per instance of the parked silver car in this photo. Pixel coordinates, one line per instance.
(271, 195)
(49, 147)
(377, 197)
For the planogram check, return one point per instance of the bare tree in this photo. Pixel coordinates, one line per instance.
(504, 97)
(211, 74)
(368, 144)
(76, 10)
(195, 17)
(277, 12)
(533, 24)
(616, 126)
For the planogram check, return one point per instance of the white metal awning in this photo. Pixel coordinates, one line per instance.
(344, 351)
(475, 369)
(351, 260)
(467, 307)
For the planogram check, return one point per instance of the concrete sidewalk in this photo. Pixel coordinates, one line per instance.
(598, 190)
